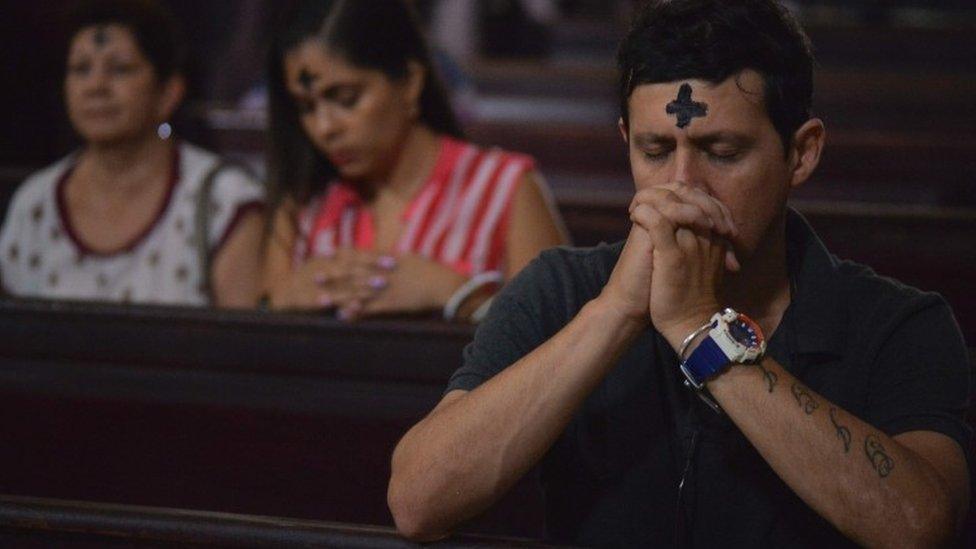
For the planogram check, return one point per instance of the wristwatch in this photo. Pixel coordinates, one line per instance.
(732, 338)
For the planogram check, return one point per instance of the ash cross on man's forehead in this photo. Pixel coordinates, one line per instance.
(306, 79)
(685, 108)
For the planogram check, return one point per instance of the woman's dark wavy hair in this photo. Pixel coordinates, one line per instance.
(381, 35)
(153, 26)
(715, 39)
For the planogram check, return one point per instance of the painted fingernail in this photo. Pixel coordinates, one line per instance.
(377, 282)
(325, 301)
(320, 278)
(386, 262)
(350, 312)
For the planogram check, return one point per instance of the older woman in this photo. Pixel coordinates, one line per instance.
(381, 206)
(134, 215)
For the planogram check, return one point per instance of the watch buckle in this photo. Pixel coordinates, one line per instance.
(700, 390)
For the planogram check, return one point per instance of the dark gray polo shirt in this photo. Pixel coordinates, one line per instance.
(889, 354)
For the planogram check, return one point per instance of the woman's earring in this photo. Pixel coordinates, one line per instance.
(164, 130)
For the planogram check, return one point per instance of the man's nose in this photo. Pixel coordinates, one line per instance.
(686, 168)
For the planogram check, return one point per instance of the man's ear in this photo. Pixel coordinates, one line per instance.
(622, 126)
(173, 91)
(808, 144)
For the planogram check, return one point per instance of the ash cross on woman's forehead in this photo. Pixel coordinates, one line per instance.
(101, 36)
(685, 108)
(306, 79)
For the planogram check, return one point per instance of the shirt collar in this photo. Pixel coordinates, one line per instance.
(817, 313)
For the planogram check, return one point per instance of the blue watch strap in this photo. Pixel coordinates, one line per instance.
(705, 361)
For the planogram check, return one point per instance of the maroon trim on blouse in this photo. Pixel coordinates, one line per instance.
(242, 210)
(84, 249)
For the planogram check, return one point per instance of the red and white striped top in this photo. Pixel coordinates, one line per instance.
(459, 217)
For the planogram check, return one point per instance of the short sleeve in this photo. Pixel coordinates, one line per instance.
(522, 316)
(532, 307)
(235, 193)
(21, 241)
(9, 251)
(923, 375)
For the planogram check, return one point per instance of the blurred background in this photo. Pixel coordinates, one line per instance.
(894, 85)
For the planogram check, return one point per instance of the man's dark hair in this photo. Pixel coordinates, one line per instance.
(153, 26)
(714, 39)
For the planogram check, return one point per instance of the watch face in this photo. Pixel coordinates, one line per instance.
(744, 333)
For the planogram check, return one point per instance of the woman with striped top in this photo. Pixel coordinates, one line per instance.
(380, 205)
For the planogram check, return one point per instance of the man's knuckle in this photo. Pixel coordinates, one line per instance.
(659, 222)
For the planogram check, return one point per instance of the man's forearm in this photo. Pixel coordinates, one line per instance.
(467, 453)
(866, 484)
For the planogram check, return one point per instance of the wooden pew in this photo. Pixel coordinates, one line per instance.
(231, 412)
(863, 33)
(945, 47)
(969, 528)
(931, 97)
(40, 522)
(243, 412)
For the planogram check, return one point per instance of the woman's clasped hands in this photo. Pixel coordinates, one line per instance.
(357, 283)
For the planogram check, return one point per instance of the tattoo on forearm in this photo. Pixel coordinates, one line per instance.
(843, 433)
(769, 375)
(878, 457)
(804, 398)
